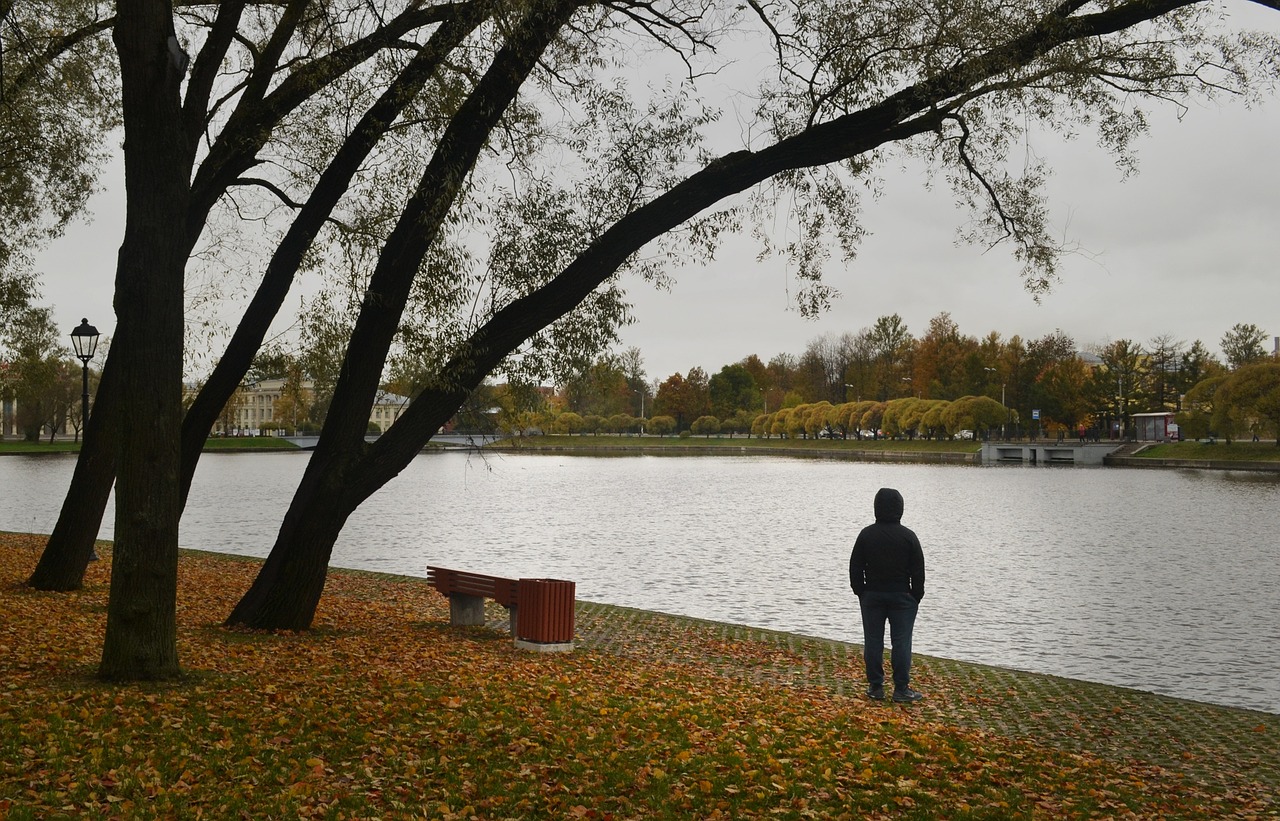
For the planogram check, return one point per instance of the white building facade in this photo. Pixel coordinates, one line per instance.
(258, 407)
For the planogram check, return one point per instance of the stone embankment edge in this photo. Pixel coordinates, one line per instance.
(1194, 464)
(872, 456)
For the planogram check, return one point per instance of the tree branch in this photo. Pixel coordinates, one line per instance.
(911, 111)
(332, 184)
(249, 126)
(195, 108)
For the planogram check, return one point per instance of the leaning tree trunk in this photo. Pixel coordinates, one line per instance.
(70, 547)
(141, 636)
(288, 588)
(289, 254)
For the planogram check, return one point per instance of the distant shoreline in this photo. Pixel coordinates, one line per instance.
(1171, 455)
(1200, 457)
(684, 449)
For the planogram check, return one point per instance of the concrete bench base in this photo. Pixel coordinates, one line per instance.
(465, 610)
(545, 647)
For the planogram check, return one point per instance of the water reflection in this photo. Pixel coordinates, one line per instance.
(1152, 579)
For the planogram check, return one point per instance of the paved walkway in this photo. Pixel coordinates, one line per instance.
(1207, 743)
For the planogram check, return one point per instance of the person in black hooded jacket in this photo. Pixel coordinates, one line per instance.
(886, 571)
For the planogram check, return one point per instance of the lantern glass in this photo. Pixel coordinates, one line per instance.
(85, 340)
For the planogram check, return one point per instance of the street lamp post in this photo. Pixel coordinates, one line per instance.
(1120, 407)
(1006, 412)
(85, 341)
(641, 392)
(1006, 407)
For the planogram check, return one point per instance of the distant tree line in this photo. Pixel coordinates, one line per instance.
(880, 381)
(883, 380)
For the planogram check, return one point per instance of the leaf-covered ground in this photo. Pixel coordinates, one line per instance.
(386, 711)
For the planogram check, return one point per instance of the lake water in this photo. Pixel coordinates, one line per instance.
(1161, 580)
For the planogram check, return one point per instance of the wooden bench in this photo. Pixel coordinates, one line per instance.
(467, 591)
(547, 621)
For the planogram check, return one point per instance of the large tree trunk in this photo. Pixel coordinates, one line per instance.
(343, 472)
(70, 546)
(287, 589)
(141, 636)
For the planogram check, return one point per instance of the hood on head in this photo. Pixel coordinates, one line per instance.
(888, 505)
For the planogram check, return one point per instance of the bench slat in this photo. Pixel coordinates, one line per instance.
(504, 591)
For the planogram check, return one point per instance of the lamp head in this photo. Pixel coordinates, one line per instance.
(85, 340)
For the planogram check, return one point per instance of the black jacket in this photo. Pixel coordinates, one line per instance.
(886, 555)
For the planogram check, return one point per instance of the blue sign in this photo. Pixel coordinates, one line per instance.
(1035, 414)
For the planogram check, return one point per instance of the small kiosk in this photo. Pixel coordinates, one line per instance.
(1156, 427)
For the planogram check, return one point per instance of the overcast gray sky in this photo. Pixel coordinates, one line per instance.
(1187, 247)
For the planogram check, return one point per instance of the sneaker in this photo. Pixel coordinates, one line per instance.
(906, 696)
(876, 691)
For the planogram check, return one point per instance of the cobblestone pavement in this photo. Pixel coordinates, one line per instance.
(1207, 743)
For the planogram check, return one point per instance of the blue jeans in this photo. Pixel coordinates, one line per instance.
(899, 609)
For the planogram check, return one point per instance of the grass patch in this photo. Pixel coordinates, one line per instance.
(1219, 451)
(248, 443)
(213, 443)
(45, 446)
(384, 712)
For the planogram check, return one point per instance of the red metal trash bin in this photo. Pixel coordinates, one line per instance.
(545, 612)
